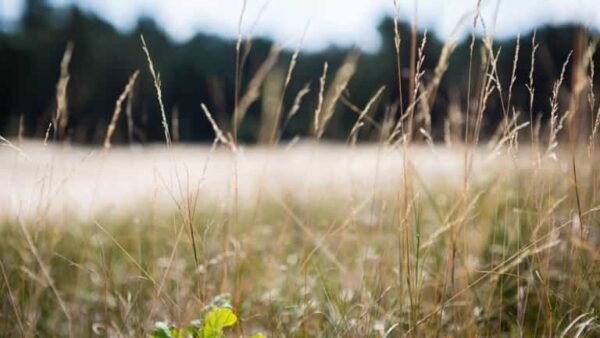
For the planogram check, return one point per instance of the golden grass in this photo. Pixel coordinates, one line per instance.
(309, 239)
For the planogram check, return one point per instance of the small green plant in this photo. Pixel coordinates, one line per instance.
(211, 327)
(218, 316)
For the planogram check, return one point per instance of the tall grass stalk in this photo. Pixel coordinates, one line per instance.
(157, 86)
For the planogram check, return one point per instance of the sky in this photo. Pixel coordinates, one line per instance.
(327, 22)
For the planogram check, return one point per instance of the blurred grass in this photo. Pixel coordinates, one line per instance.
(505, 252)
(332, 266)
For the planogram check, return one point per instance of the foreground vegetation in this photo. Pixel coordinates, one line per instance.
(515, 252)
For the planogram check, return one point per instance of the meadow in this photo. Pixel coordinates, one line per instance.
(463, 235)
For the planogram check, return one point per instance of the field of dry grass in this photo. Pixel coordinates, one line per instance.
(401, 237)
(311, 239)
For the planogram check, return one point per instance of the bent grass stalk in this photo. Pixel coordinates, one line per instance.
(118, 107)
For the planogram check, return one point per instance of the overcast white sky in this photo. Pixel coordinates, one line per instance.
(340, 22)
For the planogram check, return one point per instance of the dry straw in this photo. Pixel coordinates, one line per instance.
(157, 85)
(317, 117)
(61, 116)
(253, 91)
(118, 107)
(328, 102)
(556, 121)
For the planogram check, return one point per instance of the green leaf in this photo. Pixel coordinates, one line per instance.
(216, 320)
(161, 330)
(178, 333)
(258, 335)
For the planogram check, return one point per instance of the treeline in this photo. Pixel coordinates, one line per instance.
(202, 70)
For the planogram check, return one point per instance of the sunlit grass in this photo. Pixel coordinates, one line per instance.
(330, 266)
(390, 239)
